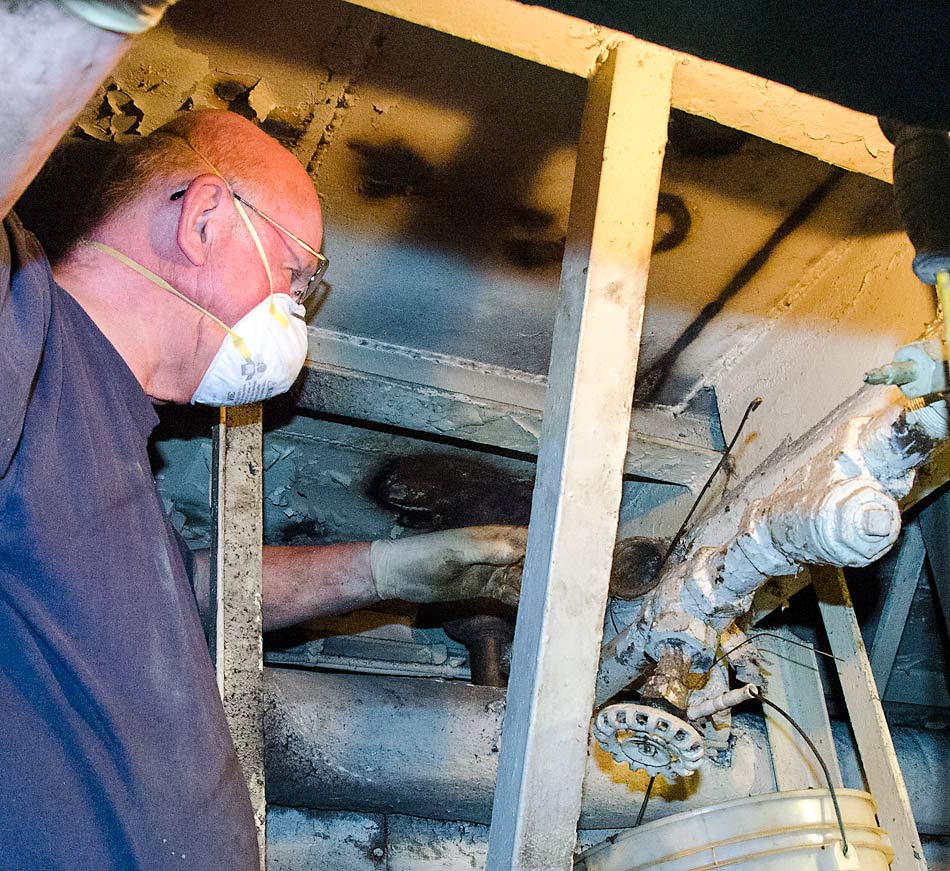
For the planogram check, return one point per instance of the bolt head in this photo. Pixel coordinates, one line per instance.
(876, 521)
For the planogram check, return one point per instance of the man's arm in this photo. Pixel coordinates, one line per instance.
(301, 582)
(305, 582)
(53, 56)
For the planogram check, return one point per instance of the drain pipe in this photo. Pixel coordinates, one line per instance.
(921, 182)
(429, 748)
(838, 506)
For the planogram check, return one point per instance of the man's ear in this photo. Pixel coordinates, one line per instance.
(202, 207)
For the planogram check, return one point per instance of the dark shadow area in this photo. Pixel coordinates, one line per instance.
(652, 382)
(478, 203)
(878, 57)
(180, 422)
(431, 491)
(57, 204)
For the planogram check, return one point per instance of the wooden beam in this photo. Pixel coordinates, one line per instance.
(583, 441)
(728, 96)
(237, 525)
(900, 596)
(871, 733)
(794, 683)
(445, 396)
(778, 113)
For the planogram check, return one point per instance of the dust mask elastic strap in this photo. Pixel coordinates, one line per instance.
(274, 310)
(145, 272)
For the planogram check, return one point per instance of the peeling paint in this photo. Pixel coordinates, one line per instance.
(158, 75)
(261, 99)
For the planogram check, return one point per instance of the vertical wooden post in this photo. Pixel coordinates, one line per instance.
(236, 573)
(794, 683)
(897, 603)
(580, 462)
(873, 738)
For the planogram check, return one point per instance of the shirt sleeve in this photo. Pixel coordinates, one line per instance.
(25, 283)
(198, 580)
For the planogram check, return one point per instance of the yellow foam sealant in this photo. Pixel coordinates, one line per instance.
(943, 296)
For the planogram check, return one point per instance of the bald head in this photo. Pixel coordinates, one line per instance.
(204, 219)
(254, 165)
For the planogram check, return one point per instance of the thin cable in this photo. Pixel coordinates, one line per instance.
(758, 635)
(834, 798)
(722, 460)
(646, 798)
(239, 343)
(752, 406)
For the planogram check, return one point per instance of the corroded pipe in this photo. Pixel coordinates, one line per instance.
(428, 748)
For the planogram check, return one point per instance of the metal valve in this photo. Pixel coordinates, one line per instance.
(649, 739)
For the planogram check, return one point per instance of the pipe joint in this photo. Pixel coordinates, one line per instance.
(852, 523)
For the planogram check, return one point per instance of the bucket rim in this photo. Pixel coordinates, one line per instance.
(673, 819)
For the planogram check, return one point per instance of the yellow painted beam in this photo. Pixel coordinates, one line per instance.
(737, 99)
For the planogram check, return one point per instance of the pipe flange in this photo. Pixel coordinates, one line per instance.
(648, 739)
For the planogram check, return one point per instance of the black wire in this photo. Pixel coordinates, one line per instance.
(722, 460)
(758, 635)
(646, 798)
(834, 798)
(752, 406)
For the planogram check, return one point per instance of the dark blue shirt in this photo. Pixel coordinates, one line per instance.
(114, 750)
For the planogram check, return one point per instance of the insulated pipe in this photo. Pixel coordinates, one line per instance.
(427, 748)
(837, 505)
(853, 522)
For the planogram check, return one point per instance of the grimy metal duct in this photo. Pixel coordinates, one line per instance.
(428, 748)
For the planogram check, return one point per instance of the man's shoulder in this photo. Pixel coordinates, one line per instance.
(19, 247)
(25, 301)
(26, 279)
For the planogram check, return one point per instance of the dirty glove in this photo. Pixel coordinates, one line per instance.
(119, 16)
(480, 561)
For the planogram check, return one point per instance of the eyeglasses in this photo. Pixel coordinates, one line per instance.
(302, 293)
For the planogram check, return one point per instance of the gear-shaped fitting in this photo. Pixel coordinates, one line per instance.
(649, 739)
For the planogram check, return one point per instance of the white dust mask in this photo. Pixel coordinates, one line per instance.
(261, 355)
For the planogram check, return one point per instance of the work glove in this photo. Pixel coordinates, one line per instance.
(119, 16)
(457, 564)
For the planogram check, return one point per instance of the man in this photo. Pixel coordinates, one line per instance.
(113, 744)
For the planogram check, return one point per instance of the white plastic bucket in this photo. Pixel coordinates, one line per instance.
(783, 831)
